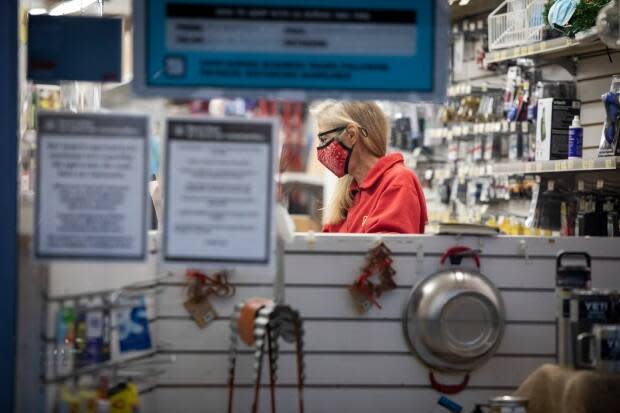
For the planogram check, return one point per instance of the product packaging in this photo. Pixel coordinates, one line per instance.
(65, 339)
(133, 325)
(92, 342)
(554, 118)
(515, 142)
(479, 148)
(493, 142)
(611, 130)
(123, 398)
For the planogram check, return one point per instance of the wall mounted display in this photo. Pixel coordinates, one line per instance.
(218, 191)
(317, 48)
(91, 186)
(83, 48)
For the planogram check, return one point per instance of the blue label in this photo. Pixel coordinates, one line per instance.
(361, 45)
(575, 142)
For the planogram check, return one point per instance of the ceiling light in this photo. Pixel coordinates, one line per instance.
(37, 11)
(72, 6)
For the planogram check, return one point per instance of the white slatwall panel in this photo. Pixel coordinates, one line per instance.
(323, 399)
(335, 302)
(362, 363)
(345, 369)
(346, 336)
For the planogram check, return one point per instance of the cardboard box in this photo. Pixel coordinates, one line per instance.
(554, 118)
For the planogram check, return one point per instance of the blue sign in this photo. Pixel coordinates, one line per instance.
(361, 47)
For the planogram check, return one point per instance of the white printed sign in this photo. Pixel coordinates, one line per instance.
(219, 191)
(91, 187)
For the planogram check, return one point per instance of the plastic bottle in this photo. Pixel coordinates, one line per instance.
(575, 140)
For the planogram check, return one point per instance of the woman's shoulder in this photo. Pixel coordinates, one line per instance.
(399, 174)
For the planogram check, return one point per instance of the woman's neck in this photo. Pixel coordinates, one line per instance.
(362, 167)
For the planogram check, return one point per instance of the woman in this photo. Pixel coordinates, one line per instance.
(376, 192)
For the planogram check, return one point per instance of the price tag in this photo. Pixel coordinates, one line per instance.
(529, 167)
(600, 183)
(539, 166)
(503, 55)
(530, 50)
(610, 163)
(542, 46)
(570, 164)
(564, 165)
(581, 185)
(557, 166)
(587, 164)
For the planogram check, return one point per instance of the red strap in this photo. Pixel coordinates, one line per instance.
(448, 388)
(458, 250)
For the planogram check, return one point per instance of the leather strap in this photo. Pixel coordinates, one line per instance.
(247, 317)
(454, 251)
(448, 388)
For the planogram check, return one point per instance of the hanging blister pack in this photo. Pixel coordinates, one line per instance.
(65, 339)
(133, 325)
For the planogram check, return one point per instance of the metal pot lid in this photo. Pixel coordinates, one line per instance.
(454, 320)
(509, 401)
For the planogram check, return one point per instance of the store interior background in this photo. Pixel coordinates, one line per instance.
(187, 366)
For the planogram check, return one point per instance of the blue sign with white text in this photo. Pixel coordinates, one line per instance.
(362, 45)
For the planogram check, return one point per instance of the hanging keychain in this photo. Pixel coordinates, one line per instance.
(364, 291)
(200, 286)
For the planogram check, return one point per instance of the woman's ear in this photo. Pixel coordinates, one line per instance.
(352, 133)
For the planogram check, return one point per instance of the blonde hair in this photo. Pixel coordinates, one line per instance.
(364, 114)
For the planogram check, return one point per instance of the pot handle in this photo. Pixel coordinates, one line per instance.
(448, 388)
(572, 254)
(455, 251)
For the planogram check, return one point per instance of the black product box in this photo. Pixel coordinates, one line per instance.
(554, 118)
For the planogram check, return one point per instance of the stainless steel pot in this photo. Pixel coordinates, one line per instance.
(454, 320)
(508, 404)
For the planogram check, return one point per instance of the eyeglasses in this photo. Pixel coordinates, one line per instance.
(323, 135)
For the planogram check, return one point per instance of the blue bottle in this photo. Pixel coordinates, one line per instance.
(575, 140)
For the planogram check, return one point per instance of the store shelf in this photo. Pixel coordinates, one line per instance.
(533, 168)
(543, 167)
(586, 42)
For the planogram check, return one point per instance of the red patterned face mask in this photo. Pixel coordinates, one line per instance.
(335, 156)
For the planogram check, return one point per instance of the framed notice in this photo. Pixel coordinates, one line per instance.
(292, 49)
(219, 191)
(91, 194)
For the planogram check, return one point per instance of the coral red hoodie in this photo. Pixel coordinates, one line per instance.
(390, 200)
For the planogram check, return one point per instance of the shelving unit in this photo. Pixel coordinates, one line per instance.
(534, 168)
(583, 43)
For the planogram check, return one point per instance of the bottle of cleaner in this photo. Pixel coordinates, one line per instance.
(575, 140)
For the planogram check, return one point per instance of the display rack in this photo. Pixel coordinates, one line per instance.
(586, 42)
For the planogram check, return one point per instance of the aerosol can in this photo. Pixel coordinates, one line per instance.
(611, 130)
